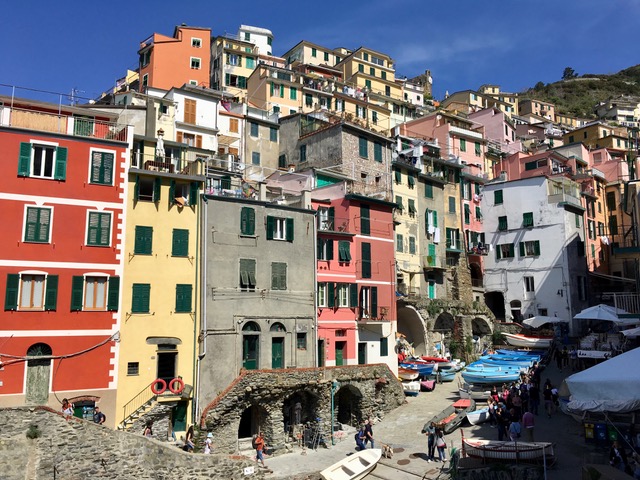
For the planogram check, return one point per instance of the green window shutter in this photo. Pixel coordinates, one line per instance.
(37, 225)
(366, 260)
(172, 193)
(183, 298)
(140, 298)
(247, 221)
(536, 247)
(399, 203)
(332, 216)
(320, 249)
(498, 252)
(365, 226)
(522, 250)
(377, 151)
(51, 294)
(11, 292)
(329, 249)
(345, 251)
(180, 243)
(293, 93)
(136, 189)
(512, 252)
(193, 193)
(527, 219)
(463, 145)
(452, 204)
(271, 223)
(24, 159)
(384, 346)
(412, 245)
(157, 183)
(476, 188)
(331, 294)
(281, 91)
(363, 147)
(374, 302)
(502, 223)
(289, 232)
(99, 229)
(497, 197)
(432, 254)
(113, 295)
(435, 219)
(271, 88)
(278, 276)
(412, 180)
(399, 243)
(478, 150)
(77, 290)
(398, 175)
(428, 190)
(61, 164)
(143, 240)
(467, 213)
(478, 213)
(353, 295)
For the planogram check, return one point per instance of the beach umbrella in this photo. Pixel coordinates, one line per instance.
(634, 332)
(539, 320)
(601, 312)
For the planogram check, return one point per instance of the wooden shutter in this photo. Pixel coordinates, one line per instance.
(353, 295)
(497, 197)
(180, 243)
(329, 249)
(24, 159)
(278, 276)
(512, 250)
(190, 111)
(172, 193)
(114, 294)
(179, 137)
(183, 298)
(140, 298)
(157, 183)
(107, 168)
(143, 242)
(51, 293)
(536, 247)
(61, 164)
(344, 251)
(365, 225)
(271, 221)
(435, 219)
(366, 260)
(374, 302)
(412, 245)
(11, 292)
(498, 252)
(522, 250)
(331, 294)
(247, 221)
(428, 190)
(77, 290)
(193, 193)
(289, 226)
(198, 141)
(384, 346)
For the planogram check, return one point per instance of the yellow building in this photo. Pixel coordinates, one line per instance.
(160, 290)
(507, 97)
(600, 135)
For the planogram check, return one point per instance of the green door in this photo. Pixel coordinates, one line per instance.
(340, 348)
(179, 417)
(321, 353)
(250, 352)
(362, 353)
(432, 289)
(277, 352)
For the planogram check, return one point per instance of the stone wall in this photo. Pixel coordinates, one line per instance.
(76, 450)
(373, 390)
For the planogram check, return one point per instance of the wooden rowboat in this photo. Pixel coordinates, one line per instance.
(496, 450)
(407, 373)
(476, 392)
(478, 416)
(529, 341)
(354, 466)
(411, 388)
(451, 417)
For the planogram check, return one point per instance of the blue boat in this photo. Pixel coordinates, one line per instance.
(538, 353)
(490, 377)
(444, 375)
(424, 369)
(498, 361)
(488, 367)
(514, 358)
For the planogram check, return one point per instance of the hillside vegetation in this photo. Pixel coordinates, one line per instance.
(579, 95)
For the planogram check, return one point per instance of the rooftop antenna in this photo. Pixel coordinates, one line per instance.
(74, 94)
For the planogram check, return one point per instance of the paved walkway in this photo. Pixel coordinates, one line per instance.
(401, 429)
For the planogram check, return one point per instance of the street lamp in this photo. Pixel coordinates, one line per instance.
(334, 389)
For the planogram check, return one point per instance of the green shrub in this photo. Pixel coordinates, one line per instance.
(33, 432)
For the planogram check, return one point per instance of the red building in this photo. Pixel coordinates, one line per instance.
(61, 254)
(356, 274)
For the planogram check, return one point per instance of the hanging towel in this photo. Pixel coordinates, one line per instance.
(436, 235)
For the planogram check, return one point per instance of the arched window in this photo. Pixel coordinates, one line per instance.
(251, 327)
(39, 350)
(277, 327)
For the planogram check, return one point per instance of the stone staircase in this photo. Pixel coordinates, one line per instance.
(134, 416)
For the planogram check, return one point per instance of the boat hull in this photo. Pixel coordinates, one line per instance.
(496, 450)
(490, 377)
(353, 467)
(411, 388)
(422, 368)
(529, 342)
(478, 416)
(451, 417)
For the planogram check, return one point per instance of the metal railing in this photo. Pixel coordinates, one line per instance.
(382, 315)
(62, 124)
(143, 397)
(167, 164)
(629, 302)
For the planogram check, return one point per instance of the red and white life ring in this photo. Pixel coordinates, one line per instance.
(154, 386)
(176, 390)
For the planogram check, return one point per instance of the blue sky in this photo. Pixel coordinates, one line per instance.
(61, 45)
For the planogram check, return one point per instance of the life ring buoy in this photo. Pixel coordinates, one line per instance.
(154, 386)
(176, 390)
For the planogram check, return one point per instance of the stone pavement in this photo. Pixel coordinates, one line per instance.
(401, 429)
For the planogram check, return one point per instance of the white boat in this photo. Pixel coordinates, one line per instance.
(478, 416)
(354, 466)
(480, 392)
(529, 341)
(411, 388)
(497, 450)
(408, 374)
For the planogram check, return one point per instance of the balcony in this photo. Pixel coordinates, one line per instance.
(174, 165)
(381, 315)
(62, 124)
(477, 283)
(478, 249)
(465, 132)
(629, 302)
(260, 114)
(333, 224)
(433, 263)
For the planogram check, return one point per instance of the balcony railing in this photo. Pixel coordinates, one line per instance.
(62, 124)
(333, 224)
(381, 315)
(629, 302)
(167, 164)
(429, 262)
(478, 249)
(477, 283)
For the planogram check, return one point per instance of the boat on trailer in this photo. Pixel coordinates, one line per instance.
(353, 467)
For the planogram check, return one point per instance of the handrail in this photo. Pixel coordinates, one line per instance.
(144, 396)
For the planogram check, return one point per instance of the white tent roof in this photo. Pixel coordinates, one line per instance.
(634, 332)
(611, 386)
(540, 320)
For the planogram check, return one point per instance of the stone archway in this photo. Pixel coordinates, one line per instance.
(412, 326)
(348, 405)
(299, 408)
(254, 418)
(444, 323)
(495, 302)
(480, 330)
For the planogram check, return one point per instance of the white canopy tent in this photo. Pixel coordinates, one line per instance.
(631, 333)
(539, 320)
(611, 386)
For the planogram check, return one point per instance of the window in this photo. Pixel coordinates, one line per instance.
(293, 93)
(383, 75)
(411, 179)
(247, 221)
(478, 149)
(183, 298)
(308, 100)
(250, 63)
(133, 368)
(247, 275)
(374, 117)
(326, 218)
(530, 248)
(452, 204)
(365, 226)
(399, 203)
(95, 293)
(102, 167)
(399, 243)
(372, 71)
(99, 229)
(273, 134)
(361, 112)
(428, 190)
(278, 276)
(255, 158)
(528, 285)
(143, 240)
(344, 251)
(37, 224)
(360, 68)
(42, 161)
(233, 59)
(505, 250)
(412, 207)
(322, 296)
(254, 129)
(611, 201)
(497, 197)
(303, 153)
(384, 346)
(195, 63)
(247, 36)
(325, 249)
(301, 340)
(282, 161)
(467, 213)
(453, 238)
(365, 256)
(183, 194)
(233, 125)
(190, 111)
(377, 152)
(180, 243)
(502, 223)
(463, 145)
(147, 189)
(31, 292)
(342, 295)
(613, 225)
(369, 302)
(314, 52)
(367, 84)
(141, 293)
(478, 213)
(398, 176)
(280, 228)
(412, 245)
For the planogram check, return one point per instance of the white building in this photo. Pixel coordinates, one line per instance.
(260, 37)
(537, 263)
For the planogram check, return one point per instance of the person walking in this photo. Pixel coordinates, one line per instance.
(368, 433)
(208, 443)
(548, 399)
(360, 438)
(618, 457)
(528, 423)
(98, 416)
(534, 398)
(431, 441)
(441, 445)
(503, 423)
(573, 359)
(515, 429)
(260, 446)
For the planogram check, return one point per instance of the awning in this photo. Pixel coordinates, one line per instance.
(227, 140)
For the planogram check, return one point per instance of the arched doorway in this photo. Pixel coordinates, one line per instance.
(253, 419)
(411, 325)
(516, 310)
(480, 329)
(476, 275)
(348, 402)
(250, 346)
(278, 333)
(38, 374)
(495, 302)
(301, 407)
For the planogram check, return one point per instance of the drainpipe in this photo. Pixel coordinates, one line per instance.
(203, 306)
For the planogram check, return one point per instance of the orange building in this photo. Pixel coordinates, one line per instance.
(167, 62)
